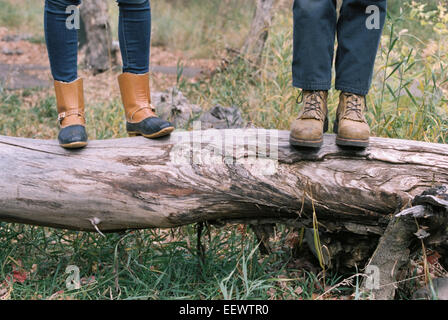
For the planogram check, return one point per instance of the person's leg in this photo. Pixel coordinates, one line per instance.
(134, 32)
(358, 44)
(62, 47)
(62, 43)
(314, 34)
(134, 35)
(359, 32)
(313, 45)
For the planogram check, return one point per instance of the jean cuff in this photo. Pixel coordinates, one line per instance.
(362, 91)
(312, 85)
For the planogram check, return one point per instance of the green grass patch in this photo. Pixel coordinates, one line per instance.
(148, 264)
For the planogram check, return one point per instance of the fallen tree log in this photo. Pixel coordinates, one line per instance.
(194, 176)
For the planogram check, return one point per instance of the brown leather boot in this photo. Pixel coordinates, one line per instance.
(70, 105)
(350, 125)
(141, 118)
(309, 127)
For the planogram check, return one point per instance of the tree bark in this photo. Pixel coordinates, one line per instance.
(99, 52)
(135, 183)
(259, 31)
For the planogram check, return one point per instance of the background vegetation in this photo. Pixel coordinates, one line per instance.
(408, 100)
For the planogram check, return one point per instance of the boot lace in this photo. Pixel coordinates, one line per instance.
(354, 108)
(312, 106)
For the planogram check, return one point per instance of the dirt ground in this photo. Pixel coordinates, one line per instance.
(24, 64)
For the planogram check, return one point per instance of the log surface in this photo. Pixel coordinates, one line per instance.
(139, 183)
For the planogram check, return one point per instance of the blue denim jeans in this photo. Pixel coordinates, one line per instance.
(315, 28)
(62, 43)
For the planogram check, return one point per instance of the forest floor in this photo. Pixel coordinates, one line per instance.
(24, 65)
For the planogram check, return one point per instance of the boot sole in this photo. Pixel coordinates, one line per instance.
(161, 133)
(74, 145)
(352, 143)
(306, 143)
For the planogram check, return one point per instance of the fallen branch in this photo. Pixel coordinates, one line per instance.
(135, 183)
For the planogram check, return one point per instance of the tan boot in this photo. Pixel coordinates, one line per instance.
(309, 127)
(350, 125)
(70, 105)
(141, 118)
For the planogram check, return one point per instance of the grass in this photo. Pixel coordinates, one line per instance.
(203, 28)
(408, 100)
(22, 15)
(151, 264)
